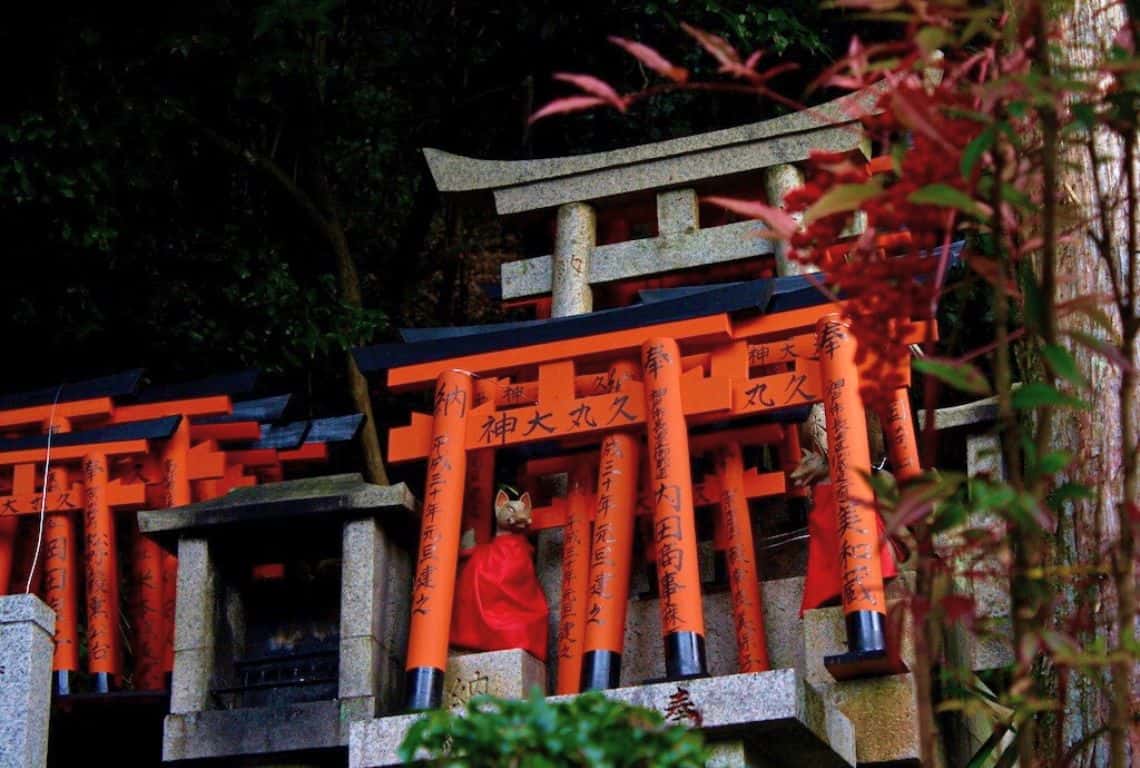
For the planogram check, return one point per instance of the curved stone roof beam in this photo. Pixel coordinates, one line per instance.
(525, 185)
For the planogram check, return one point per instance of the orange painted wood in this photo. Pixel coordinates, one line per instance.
(790, 323)
(72, 452)
(575, 578)
(756, 434)
(743, 577)
(898, 429)
(255, 457)
(230, 430)
(62, 575)
(179, 463)
(306, 452)
(756, 485)
(147, 617)
(558, 418)
(23, 485)
(606, 345)
(103, 651)
(38, 415)
(478, 522)
(791, 454)
(776, 391)
(433, 588)
(215, 405)
(200, 462)
(611, 549)
(674, 526)
(850, 466)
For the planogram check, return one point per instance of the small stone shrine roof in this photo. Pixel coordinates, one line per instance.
(330, 497)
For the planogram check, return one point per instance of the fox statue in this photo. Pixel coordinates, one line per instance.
(512, 516)
(499, 603)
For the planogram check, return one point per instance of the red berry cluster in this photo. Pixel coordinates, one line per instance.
(887, 272)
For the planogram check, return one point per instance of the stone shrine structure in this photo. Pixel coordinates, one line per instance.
(653, 406)
(631, 344)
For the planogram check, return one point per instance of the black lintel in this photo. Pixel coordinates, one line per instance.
(283, 437)
(334, 429)
(263, 409)
(794, 292)
(150, 429)
(237, 383)
(754, 295)
(115, 385)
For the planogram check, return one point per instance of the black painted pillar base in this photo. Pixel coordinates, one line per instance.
(424, 687)
(601, 670)
(867, 652)
(685, 656)
(62, 682)
(101, 682)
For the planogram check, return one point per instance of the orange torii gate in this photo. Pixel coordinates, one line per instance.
(108, 456)
(592, 624)
(724, 354)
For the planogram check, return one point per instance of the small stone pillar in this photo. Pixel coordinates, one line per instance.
(574, 242)
(26, 649)
(779, 180)
(677, 212)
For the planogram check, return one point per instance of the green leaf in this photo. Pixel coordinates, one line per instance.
(959, 375)
(1037, 394)
(1068, 492)
(1062, 363)
(1054, 462)
(841, 198)
(945, 196)
(974, 150)
(1034, 305)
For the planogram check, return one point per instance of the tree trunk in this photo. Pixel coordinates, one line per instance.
(349, 283)
(1088, 527)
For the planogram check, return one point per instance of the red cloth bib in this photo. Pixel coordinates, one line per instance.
(824, 582)
(499, 603)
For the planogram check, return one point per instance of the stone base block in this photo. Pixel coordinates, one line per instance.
(506, 674)
(26, 628)
(883, 710)
(783, 720)
(732, 754)
(825, 634)
(643, 658)
(253, 731)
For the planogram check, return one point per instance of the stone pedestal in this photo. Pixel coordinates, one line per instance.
(507, 674)
(780, 718)
(27, 626)
(883, 710)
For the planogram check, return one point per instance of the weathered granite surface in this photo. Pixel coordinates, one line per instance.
(27, 626)
(684, 249)
(643, 656)
(508, 674)
(254, 731)
(574, 241)
(453, 173)
(883, 710)
(195, 618)
(782, 717)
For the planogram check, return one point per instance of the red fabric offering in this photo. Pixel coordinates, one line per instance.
(824, 581)
(498, 601)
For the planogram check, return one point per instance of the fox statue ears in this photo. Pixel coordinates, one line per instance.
(501, 499)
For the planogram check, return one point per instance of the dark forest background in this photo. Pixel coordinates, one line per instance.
(173, 180)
